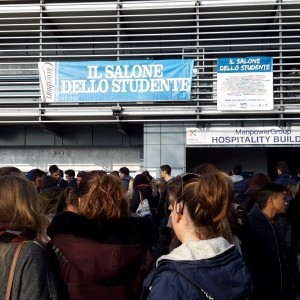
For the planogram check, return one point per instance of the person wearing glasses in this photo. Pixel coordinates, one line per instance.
(205, 265)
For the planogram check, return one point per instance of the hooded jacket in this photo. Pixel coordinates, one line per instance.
(215, 267)
(103, 257)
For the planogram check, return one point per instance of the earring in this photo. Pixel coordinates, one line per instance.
(177, 208)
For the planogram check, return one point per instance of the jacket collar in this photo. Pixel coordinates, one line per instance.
(129, 230)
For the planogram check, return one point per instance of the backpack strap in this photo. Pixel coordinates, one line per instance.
(146, 290)
(12, 270)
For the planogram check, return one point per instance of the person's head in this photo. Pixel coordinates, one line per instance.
(55, 172)
(140, 179)
(147, 175)
(291, 190)
(69, 201)
(19, 206)
(9, 170)
(165, 172)
(201, 204)
(282, 167)
(259, 179)
(236, 169)
(48, 182)
(272, 199)
(205, 169)
(70, 175)
(114, 173)
(124, 171)
(80, 175)
(102, 196)
(36, 176)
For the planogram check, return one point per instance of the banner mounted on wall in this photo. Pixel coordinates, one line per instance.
(116, 81)
(245, 83)
(231, 136)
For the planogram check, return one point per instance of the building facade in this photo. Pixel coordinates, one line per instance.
(144, 135)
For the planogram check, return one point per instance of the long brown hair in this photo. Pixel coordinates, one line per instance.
(102, 195)
(20, 207)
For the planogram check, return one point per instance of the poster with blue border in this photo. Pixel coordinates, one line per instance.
(245, 83)
(116, 81)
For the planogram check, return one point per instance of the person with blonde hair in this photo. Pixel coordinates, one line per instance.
(21, 219)
(205, 265)
(107, 252)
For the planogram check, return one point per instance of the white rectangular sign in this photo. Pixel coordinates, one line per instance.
(245, 83)
(243, 136)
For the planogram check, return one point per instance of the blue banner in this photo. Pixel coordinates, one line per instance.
(245, 64)
(116, 81)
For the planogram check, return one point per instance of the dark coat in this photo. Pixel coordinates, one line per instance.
(268, 253)
(223, 277)
(103, 257)
(146, 193)
(285, 179)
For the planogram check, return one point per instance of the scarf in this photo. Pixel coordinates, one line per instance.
(14, 234)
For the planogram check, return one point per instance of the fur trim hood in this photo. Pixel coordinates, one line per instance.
(130, 230)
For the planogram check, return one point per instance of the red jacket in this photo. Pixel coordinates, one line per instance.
(104, 259)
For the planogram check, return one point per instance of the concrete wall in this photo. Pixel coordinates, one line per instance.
(79, 158)
(164, 143)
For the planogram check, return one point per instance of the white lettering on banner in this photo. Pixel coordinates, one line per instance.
(124, 71)
(125, 85)
(242, 136)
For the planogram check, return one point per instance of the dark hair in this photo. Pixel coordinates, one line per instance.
(267, 191)
(282, 166)
(53, 169)
(70, 196)
(33, 174)
(259, 179)
(48, 181)
(166, 168)
(124, 171)
(205, 169)
(81, 173)
(148, 175)
(236, 169)
(140, 179)
(115, 173)
(70, 172)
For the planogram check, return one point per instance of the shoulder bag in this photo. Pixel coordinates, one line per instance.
(12, 270)
(143, 209)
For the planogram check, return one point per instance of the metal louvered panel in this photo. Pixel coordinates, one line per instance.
(34, 31)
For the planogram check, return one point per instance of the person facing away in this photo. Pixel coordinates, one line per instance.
(240, 184)
(125, 177)
(269, 247)
(283, 178)
(107, 252)
(36, 176)
(256, 183)
(37, 273)
(205, 265)
(141, 190)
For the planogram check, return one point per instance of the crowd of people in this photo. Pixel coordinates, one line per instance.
(205, 234)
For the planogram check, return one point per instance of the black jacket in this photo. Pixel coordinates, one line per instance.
(268, 250)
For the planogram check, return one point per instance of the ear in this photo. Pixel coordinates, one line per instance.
(179, 208)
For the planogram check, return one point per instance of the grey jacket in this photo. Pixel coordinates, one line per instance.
(34, 277)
